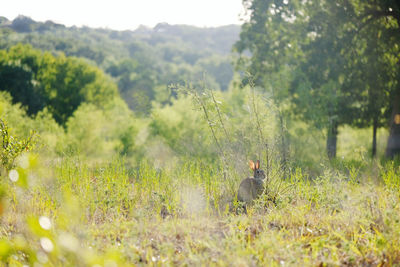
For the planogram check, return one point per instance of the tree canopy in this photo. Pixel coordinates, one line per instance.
(340, 58)
(38, 80)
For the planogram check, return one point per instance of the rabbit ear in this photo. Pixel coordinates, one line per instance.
(257, 164)
(252, 166)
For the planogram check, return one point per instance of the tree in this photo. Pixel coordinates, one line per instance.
(70, 82)
(136, 83)
(61, 84)
(343, 60)
(18, 75)
(384, 15)
(373, 59)
(372, 73)
(301, 38)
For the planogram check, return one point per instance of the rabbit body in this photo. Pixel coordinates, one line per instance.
(252, 187)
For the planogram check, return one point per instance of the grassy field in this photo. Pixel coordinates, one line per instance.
(69, 213)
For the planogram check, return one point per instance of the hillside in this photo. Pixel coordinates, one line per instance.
(142, 61)
(217, 40)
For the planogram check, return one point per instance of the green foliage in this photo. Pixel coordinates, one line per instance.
(318, 53)
(182, 129)
(72, 82)
(219, 68)
(38, 80)
(157, 57)
(12, 147)
(390, 175)
(38, 238)
(99, 133)
(85, 131)
(19, 75)
(112, 129)
(136, 83)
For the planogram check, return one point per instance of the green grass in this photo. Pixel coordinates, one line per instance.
(184, 215)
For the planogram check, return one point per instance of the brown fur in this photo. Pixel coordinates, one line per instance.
(251, 188)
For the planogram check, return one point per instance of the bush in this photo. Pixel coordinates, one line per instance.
(100, 133)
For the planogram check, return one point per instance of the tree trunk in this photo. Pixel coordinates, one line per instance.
(374, 129)
(393, 144)
(331, 142)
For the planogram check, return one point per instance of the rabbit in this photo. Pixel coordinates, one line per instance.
(252, 187)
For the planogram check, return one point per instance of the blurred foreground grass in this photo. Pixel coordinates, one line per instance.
(70, 213)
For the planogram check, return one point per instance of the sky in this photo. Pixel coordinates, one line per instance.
(127, 14)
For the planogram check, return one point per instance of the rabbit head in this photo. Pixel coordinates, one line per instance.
(258, 173)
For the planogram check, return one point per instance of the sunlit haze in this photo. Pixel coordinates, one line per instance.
(124, 14)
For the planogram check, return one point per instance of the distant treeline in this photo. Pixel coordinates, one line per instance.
(144, 61)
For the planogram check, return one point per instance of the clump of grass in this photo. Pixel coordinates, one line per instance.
(390, 175)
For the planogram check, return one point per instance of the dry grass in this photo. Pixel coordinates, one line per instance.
(104, 215)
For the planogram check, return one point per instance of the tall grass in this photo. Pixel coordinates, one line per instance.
(182, 215)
